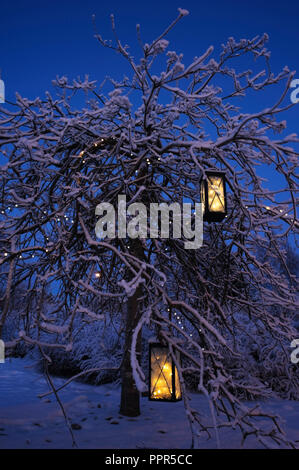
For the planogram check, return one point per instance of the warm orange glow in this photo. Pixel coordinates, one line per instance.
(162, 375)
(216, 194)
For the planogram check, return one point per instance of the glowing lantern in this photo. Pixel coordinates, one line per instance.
(213, 196)
(164, 379)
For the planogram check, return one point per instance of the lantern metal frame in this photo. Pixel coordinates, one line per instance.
(173, 397)
(208, 215)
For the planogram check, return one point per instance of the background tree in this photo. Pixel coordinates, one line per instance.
(152, 137)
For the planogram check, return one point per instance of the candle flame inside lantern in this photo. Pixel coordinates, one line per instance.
(216, 194)
(163, 385)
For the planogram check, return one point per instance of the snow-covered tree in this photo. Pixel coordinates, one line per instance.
(152, 137)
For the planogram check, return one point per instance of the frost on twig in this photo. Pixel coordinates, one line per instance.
(228, 308)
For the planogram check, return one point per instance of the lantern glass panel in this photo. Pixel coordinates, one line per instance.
(164, 380)
(216, 197)
(178, 393)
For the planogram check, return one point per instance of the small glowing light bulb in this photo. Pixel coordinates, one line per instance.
(98, 275)
(5, 254)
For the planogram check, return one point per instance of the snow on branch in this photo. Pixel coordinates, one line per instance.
(228, 307)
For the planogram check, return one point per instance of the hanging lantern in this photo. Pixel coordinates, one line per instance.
(213, 196)
(164, 379)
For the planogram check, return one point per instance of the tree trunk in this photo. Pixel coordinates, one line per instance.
(130, 396)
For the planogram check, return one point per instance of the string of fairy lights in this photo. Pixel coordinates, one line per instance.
(69, 217)
(180, 322)
(46, 215)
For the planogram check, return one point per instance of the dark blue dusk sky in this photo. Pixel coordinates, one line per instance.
(42, 39)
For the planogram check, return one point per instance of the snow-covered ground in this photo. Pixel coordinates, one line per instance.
(27, 421)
